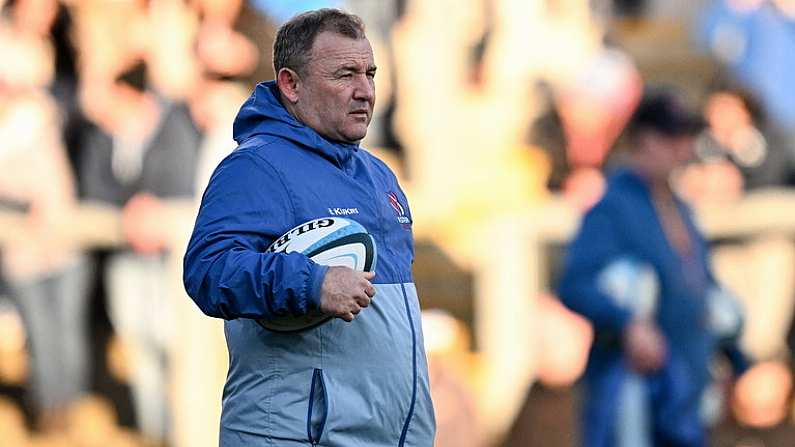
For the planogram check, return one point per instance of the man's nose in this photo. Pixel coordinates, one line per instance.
(364, 89)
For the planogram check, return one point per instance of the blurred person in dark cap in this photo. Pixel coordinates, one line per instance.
(648, 370)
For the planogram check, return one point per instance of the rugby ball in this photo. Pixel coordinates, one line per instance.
(332, 241)
(725, 314)
(631, 284)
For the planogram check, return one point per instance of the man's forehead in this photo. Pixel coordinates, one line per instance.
(332, 49)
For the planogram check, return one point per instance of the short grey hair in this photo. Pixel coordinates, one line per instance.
(293, 44)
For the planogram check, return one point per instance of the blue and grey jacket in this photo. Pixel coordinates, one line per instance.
(363, 383)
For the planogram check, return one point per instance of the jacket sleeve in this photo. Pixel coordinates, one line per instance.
(597, 243)
(226, 272)
(738, 359)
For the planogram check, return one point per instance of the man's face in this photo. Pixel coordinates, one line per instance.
(337, 89)
(666, 153)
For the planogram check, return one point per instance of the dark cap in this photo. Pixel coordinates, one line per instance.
(664, 112)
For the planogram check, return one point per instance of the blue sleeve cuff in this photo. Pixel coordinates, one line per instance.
(623, 318)
(610, 332)
(317, 275)
(740, 363)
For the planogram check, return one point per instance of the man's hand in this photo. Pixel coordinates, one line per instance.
(644, 346)
(345, 292)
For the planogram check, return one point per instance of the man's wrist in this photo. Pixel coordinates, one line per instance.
(317, 274)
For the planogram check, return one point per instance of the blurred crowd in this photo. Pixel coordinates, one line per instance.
(734, 69)
(127, 105)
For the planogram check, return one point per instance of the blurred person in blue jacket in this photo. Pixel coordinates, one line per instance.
(648, 369)
(360, 379)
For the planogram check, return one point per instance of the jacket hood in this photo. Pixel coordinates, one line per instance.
(264, 114)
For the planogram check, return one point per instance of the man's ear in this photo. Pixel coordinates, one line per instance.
(288, 82)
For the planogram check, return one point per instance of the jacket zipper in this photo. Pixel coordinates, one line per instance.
(317, 379)
(414, 368)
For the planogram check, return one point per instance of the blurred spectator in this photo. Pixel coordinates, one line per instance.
(564, 339)
(142, 152)
(738, 132)
(199, 355)
(47, 277)
(224, 51)
(647, 370)
(260, 30)
(234, 41)
(548, 414)
(173, 65)
(755, 39)
(50, 21)
(447, 344)
(109, 36)
(740, 149)
(590, 113)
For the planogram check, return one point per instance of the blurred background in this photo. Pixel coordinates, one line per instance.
(499, 116)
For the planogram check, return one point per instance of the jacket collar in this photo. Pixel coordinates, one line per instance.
(264, 114)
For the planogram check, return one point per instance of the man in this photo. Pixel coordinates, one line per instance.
(361, 378)
(647, 370)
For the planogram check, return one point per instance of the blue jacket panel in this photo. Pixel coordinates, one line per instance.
(341, 384)
(625, 223)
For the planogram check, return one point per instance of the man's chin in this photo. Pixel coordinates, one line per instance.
(355, 136)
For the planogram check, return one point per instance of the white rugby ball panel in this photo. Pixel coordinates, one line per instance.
(331, 241)
(359, 247)
(314, 233)
(348, 255)
(631, 284)
(725, 313)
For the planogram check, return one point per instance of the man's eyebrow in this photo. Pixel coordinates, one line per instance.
(355, 68)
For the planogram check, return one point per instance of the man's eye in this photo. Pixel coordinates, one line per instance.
(346, 75)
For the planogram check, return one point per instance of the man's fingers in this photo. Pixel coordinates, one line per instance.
(363, 301)
(345, 292)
